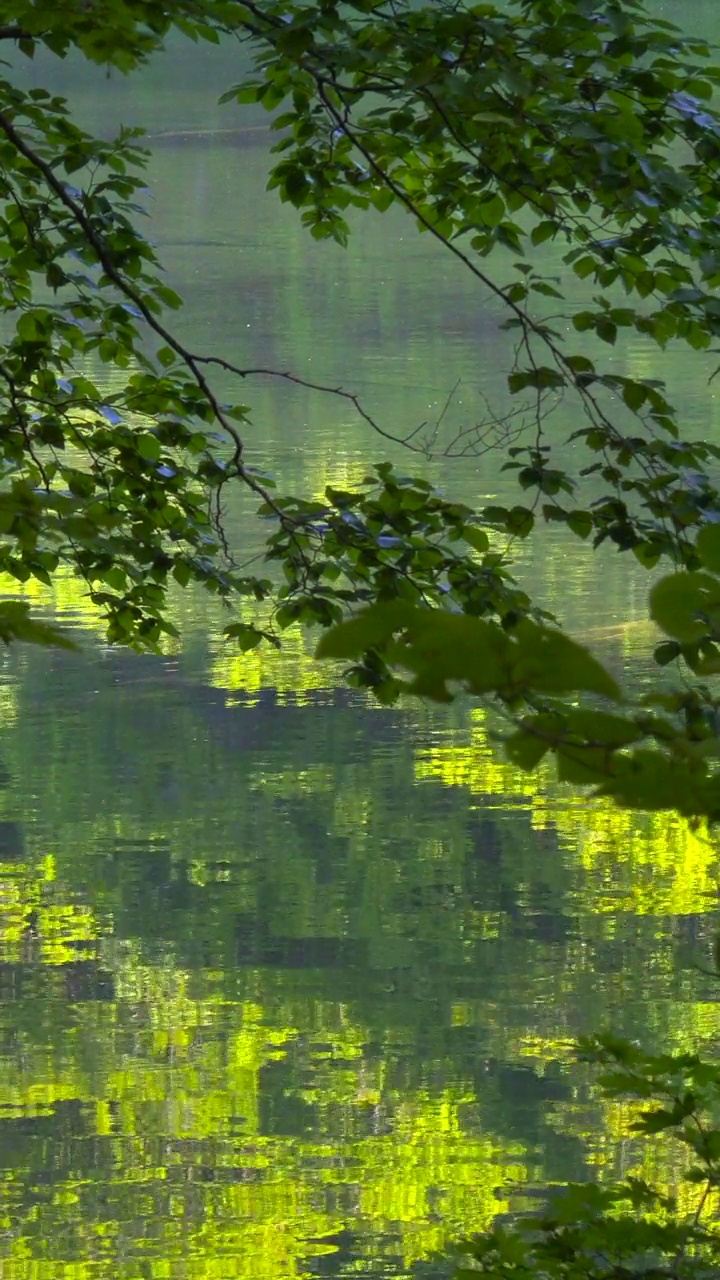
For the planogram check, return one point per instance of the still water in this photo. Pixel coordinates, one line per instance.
(288, 982)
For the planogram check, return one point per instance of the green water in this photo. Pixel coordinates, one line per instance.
(288, 982)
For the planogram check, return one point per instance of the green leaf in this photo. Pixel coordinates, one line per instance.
(686, 606)
(655, 1121)
(606, 331)
(242, 94)
(584, 320)
(542, 232)
(646, 553)
(382, 198)
(495, 515)
(708, 546)
(635, 395)
(16, 624)
(651, 780)
(166, 356)
(148, 446)
(585, 266)
(582, 765)
(601, 728)
(168, 296)
(492, 211)
(442, 646)
(247, 636)
(368, 629)
(115, 578)
(28, 328)
(543, 378)
(526, 750)
(704, 662)
(429, 684)
(476, 538)
(520, 522)
(580, 522)
(667, 652)
(550, 662)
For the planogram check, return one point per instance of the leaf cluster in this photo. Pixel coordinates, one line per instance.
(657, 751)
(590, 125)
(625, 1229)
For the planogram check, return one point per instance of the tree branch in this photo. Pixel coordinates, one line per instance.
(136, 297)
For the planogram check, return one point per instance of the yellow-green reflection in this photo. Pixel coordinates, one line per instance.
(649, 864)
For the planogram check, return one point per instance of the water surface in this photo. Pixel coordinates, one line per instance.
(288, 982)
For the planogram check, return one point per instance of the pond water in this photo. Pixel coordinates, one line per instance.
(288, 982)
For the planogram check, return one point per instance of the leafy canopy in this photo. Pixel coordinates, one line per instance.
(583, 123)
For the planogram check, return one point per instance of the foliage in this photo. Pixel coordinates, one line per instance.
(627, 1228)
(578, 122)
(588, 124)
(496, 131)
(658, 754)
